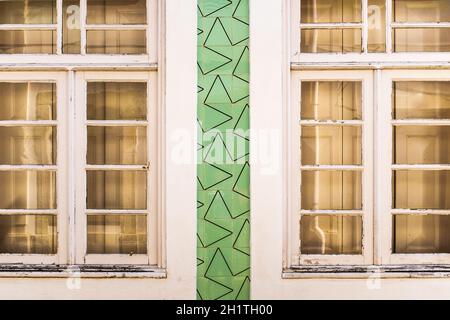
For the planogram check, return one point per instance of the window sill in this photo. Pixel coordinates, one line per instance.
(366, 272)
(80, 271)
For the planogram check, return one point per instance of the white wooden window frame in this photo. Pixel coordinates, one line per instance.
(386, 166)
(61, 167)
(153, 256)
(295, 168)
(152, 40)
(364, 58)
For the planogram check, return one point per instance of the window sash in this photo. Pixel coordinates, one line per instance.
(151, 28)
(295, 168)
(153, 230)
(61, 168)
(302, 57)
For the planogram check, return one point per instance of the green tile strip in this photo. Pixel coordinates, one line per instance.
(223, 188)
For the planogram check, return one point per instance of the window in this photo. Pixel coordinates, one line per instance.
(80, 169)
(370, 26)
(118, 168)
(368, 132)
(77, 26)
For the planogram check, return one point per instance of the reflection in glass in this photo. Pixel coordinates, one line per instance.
(116, 12)
(331, 100)
(421, 234)
(116, 190)
(117, 234)
(117, 145)
(330, 40)
(421, 99)
(331, 190)
(71, 27)
(116, 41)
(28, 145)
(421, 11)
(322, 11)
(117, 100)
(27, 11)
(27, 189)
(331, 234)
(28, 234)
(422, 144)
(421, 40)
(338, 145)
(27, 41)
(421, 189)
(376, 41)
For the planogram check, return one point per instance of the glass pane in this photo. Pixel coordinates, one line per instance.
(28, 234)
(331, 190)
(421, 234)
(117, 234)
(422, 144)
(117, 145)
(331, 234)
(331, 145)
(331, 100)
(28, 11)
(28, 101)
(421, 99)
(71, 26)
(117, 101)
(27, 189)
(28, 145)
(116, 190)
(421, 40)
(421, 11)
(421, 189)
(27, 41)
(330, 40)
(116, 12)
(116, 41)
(314, 11)
(377, 25)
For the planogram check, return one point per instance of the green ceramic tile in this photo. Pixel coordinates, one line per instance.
(223, 203)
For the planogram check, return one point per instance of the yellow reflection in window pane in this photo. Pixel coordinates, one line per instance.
(331, 100)
(116, 12)
(331, 145)
(117, 145)
(331, 190)
(116, 190)
(421, 40)
(422, 144)
(421, 234)
(116, 42)
(27, 11)
(331, 234)
(421, 99)
(377, 26)
(31, 234)
(27, 41)
(313, 11)
(117, 234)
(28, 145)
(117, 100)
(27, 189)
(421, 11)
(330, 40)
(421, 189)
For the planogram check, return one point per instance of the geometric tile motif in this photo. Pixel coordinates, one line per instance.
(223, 188)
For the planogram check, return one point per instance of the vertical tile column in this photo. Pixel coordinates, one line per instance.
(223, 201)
